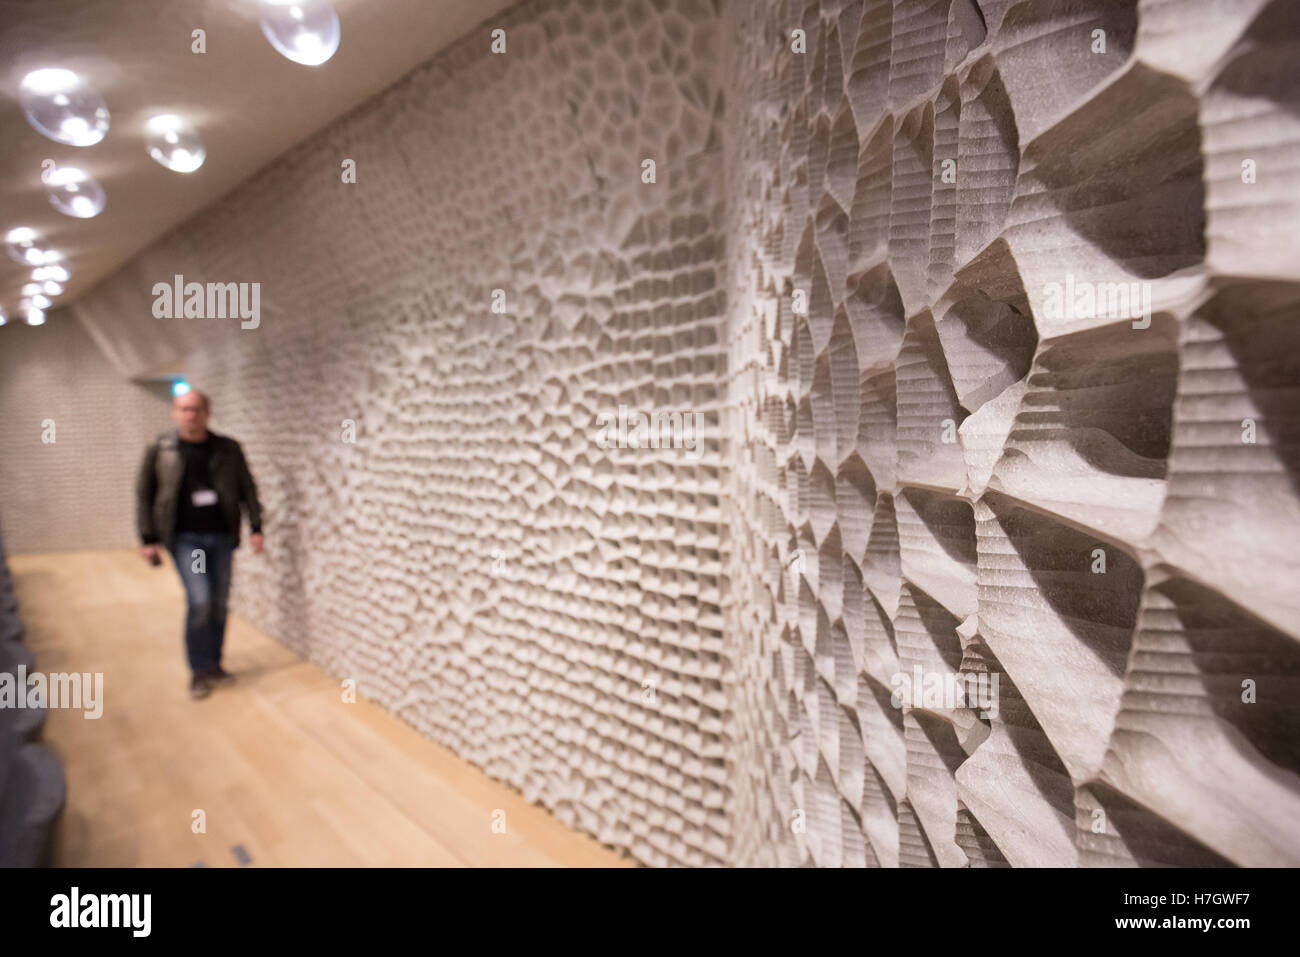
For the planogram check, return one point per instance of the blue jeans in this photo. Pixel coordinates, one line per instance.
(203, 560)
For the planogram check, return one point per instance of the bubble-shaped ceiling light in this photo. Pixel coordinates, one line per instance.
(32, 313)
(305, 31)
(74, 192)
(173, 142)
(24, 245)
(55, 272)
(64, 107)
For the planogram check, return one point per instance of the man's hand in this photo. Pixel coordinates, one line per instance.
(258, 543)
(150, 553)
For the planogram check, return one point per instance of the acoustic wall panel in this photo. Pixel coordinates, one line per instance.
(69, 426)
(1049, 600)
(448, 522)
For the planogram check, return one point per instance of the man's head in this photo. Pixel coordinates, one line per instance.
(191, 414)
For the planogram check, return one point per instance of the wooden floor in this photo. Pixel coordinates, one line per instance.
(284, 771)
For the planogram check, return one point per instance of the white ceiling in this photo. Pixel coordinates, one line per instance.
(249, 103)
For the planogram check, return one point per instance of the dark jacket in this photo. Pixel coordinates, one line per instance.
(157, 488)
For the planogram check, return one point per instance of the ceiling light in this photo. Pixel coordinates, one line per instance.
(40, 302)
(32, 311)
(173, 142)
(74, 192)
(64, 107)
(51, 288)
(57, 273)
(305, 31)
(3, 317)
(23, 245)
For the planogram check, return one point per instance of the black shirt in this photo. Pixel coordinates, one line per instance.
(191, 517)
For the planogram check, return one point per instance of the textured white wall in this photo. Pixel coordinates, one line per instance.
(928, 457)
(74, 493)
(549, 609)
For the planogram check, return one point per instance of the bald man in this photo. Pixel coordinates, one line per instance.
(191, 487)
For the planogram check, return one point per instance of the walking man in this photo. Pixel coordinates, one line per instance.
(191, 485)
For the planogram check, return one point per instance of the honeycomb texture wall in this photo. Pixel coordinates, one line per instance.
(69, 425)
(866, 260)
(442, 523)
(946, 460)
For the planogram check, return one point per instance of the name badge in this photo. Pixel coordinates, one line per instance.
(204, 496)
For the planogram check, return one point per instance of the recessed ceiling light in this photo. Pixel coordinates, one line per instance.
(173, 142)
(74, 192)
(61, 105)
(305, 31)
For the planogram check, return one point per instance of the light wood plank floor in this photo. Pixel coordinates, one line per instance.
(284, 771)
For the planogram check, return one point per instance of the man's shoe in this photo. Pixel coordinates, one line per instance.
(220, 676)
(200, 687)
